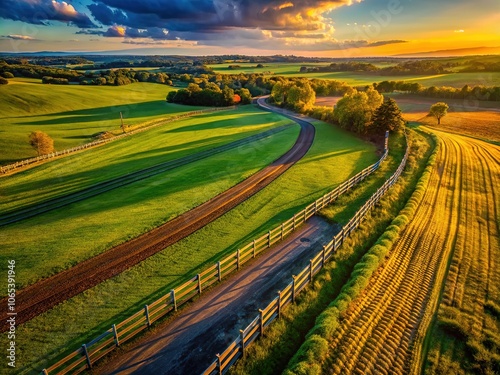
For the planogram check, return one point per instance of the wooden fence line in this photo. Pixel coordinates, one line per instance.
(272, 311)
(81, 360)
(10, 167)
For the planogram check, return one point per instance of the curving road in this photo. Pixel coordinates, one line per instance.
(45, 294)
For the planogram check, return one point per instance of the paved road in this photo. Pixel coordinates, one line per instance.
(45, 294)
(188, 344)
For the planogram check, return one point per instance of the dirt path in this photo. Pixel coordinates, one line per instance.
(383, 330)
(188, 344)
(45, 294)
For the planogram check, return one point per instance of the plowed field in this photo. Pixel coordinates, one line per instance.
(383, 330)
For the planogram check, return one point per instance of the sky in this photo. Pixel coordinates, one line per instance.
(339, 28)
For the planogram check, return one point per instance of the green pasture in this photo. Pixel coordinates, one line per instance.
(74, 114)
(334, 157)
(71, 234)
(362, 78)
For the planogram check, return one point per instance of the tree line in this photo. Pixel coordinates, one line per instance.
(405, 68)
(466, 92)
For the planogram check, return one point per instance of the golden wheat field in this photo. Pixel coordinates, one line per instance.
(384, 330)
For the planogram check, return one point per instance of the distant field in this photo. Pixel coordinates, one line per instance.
(334, 157)
(361, 79)
(476, 119)
(69, 235)
(479, 119)
(73, 114)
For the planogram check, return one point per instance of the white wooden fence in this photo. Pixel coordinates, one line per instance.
(273, 311)
(89, 353)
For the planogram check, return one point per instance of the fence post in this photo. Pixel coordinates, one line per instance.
(310, 270)
(242, 335)
(305, 214)
(269, 239)
(261, 313)
(282, 230)
(115, 333)
(146, 311)
(172, 293)
(279, 304)
(293, 288)
(219, 271)
(315, 206)
(45, 372)
(85, 351)
(219, 364)
(199, 283)
(254, 249)
(324, 252)
(294, 222)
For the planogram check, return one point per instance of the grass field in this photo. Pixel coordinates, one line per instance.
(69, 235)
(334, 157)
(270, 355)
(362, 79)
(73, 114)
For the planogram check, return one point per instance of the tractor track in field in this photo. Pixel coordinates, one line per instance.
(383, 330)
(118, 182)
(45, 294)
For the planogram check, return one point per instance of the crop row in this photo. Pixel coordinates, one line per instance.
(317, 347)
(469, 309)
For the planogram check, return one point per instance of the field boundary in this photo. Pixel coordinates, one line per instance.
(89, 353)
(22, 163)
(287, 296)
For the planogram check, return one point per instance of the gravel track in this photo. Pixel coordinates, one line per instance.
(45, 294)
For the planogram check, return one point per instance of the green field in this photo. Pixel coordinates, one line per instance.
(334, 157)
(362, 79)
(76, 232)
(73, 114)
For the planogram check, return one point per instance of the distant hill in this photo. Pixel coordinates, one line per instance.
(454, 52)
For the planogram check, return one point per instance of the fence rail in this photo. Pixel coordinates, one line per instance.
(287, 296)
(10, 167)
(83, 358)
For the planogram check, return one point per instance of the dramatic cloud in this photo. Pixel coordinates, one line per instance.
(38, 12)
(218, 15)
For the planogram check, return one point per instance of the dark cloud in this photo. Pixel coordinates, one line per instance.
(216, 15)
(385, 42)
(38, 12)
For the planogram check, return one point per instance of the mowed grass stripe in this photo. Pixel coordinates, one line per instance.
(73, 114)
(173, 141)
(49, 243)
(334, 157)
(91, 191)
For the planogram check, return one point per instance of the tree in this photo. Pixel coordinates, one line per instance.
(41, 142)
(355, 110)
(3, 81)
(439, 110)
(387, 117)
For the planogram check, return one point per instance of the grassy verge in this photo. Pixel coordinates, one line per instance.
(284, 338)
(81, 230)
(73, 114)
(334, 157)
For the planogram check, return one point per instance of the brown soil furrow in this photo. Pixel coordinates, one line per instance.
(47, 293)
